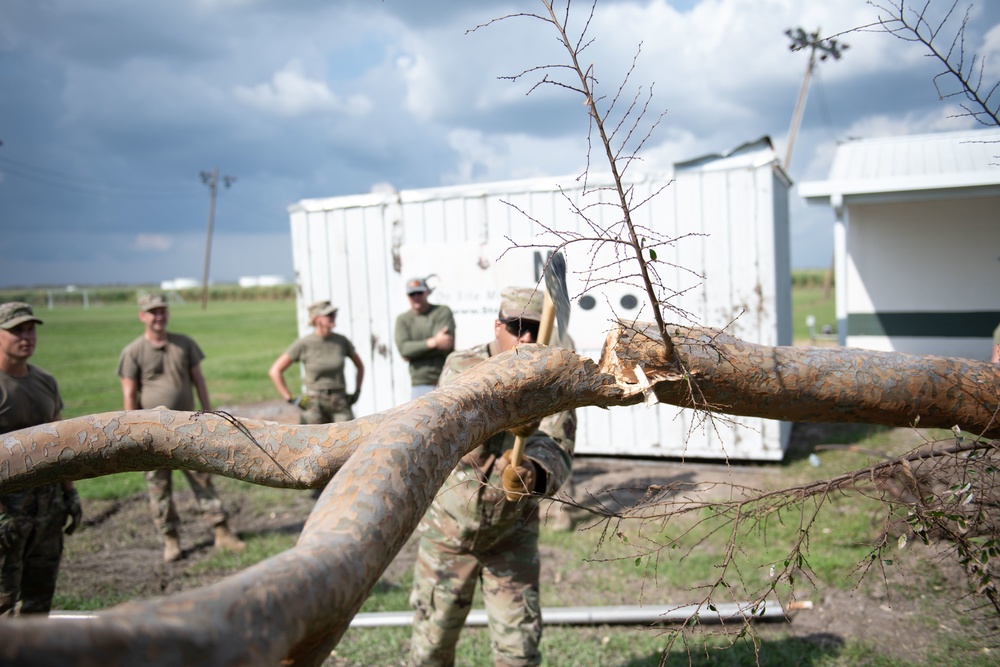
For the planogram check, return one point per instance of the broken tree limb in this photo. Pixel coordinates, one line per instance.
(810, 384)
(293, 608)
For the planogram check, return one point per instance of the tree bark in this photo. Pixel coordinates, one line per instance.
(381, 473)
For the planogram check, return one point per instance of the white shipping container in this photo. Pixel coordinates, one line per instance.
(729, 215)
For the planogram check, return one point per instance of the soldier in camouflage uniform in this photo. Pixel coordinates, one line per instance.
(323, 355)
(32, 521)
(161, 368)
(473, 533)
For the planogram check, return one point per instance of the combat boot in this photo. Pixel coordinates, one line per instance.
(171, 548)
(227, 540)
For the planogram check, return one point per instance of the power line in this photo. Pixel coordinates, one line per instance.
(89, 186)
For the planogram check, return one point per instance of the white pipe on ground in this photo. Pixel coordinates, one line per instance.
(626, 614)
(771, 610)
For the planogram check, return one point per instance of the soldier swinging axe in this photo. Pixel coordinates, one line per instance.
(555, 311)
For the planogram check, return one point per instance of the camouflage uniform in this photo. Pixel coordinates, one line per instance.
(31, 521)
(323, 362)
(164, 377)
(472, 532)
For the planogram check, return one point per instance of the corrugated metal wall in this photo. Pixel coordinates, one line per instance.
(730, 222)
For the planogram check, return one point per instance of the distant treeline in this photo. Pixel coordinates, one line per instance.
(43, 296)
(811, 277)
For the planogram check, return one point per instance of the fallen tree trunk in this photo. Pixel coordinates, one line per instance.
(384, 470)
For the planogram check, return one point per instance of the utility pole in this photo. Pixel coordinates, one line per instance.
(211, 179)
(827, 48)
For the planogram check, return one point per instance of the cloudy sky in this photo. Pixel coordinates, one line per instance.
(113, 108)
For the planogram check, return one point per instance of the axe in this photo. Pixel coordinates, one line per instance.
(555, 310)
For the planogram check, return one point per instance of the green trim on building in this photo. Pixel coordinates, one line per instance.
(924, 325)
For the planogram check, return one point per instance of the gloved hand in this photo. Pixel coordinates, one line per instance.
(524, 430)
(301, 402)
(74, 510)
(518, 480)
(353, 398)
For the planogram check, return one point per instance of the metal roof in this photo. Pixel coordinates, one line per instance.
(751, 154)
(909, 167)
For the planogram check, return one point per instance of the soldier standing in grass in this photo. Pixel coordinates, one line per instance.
(472, 532)
(32, 521)
(323, 355)
(425, 334)
(160, 369)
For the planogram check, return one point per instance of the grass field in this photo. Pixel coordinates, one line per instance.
(241, 339)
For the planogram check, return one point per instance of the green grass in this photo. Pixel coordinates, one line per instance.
(811, 300)
(81, 347)
(240, 340)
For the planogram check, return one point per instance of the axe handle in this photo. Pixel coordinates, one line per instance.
(544, 335)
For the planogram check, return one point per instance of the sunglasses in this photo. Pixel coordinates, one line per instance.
(517, 327)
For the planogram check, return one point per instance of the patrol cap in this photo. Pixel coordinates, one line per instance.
(414, 285)
(321, 308)
(16, 312)
(148, 302)
(521, 302)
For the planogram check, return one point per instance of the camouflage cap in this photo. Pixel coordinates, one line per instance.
(321, 308)
(521, 302)
(148, 302)
(14, 313)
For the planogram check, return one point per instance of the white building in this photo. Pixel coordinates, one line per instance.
(729, 215)
(916, 241)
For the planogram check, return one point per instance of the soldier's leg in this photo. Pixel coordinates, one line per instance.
(510, 592)
(444, 581)
(314, 413)
(41, 563)
(210, 506)
(340, 410)
(16, 533)
(158, 483)
(206, 497)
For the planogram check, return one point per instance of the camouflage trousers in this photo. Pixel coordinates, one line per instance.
(327, 408)
(161, 499)
(444, 581)
(33, 523)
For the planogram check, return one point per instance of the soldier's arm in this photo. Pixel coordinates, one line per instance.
(130, 393)
(550, 448)
(198, 379)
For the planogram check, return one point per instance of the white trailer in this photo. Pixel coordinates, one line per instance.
(730, 214)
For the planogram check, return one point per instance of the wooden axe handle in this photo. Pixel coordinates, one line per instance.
(544, 336)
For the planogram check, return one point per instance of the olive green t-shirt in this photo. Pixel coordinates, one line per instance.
(322, 360)
(163, 373)
(28, 401)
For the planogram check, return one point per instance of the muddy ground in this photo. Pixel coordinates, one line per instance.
(118, 553)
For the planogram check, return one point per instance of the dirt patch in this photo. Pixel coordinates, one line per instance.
(118, 554)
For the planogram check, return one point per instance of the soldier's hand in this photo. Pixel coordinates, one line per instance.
(353, 398)
(301, 402)
(443, 340)
(517, 480)
(74, 510)
(524, 430)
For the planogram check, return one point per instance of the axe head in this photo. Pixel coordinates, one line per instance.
(555, 285)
